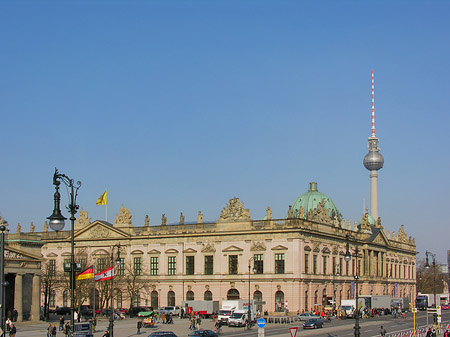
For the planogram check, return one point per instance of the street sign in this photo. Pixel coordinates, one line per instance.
(293, 331)
(261, 322)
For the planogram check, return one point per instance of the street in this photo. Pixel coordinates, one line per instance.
(339, 328)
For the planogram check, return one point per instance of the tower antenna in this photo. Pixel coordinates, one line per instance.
(373, 109)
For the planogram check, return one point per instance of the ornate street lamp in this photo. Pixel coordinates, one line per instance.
(56, 222)
(348, 257)
(427, 266)
(3, 229)
(249, 315)
(111, 316)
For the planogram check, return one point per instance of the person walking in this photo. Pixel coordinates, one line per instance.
(382, 331)
(8, 324)
(139, 326)
(446, 333)
(12, 331)
(54, 331)
(61, 323)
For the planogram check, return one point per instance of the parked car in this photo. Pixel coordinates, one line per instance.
(175, 310)
(305, 316)
(313, 323)
(86, 310)
(162, 334)
(445, 306)
(62, 311)
(203, 333)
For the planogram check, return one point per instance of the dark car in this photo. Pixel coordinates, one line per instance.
(203, 333)
(135, 310)
(162, 334)
(313, 323)
(62, 311)
(86, 310)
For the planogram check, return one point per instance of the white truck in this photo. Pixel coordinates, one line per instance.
(349, 306)
(203, 308)
(230, 306)
(239, 317)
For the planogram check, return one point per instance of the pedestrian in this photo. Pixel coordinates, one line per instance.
(49, 330)
(428, 333)
(8, 324)
(61, 323)
(446, 333)
(163, 318)
(67, 329)
(139, 326)
(12, 331)
(382, 331)
(54, 331)
(433, 333)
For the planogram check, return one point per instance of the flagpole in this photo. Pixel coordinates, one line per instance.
(93, 280)
(106, 215)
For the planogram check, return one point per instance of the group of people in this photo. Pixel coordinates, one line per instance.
(195, 321)
(64, 327)
(10, 328)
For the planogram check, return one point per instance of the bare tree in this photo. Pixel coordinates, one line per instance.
(132, 283)
(430, 280)
(50, 282)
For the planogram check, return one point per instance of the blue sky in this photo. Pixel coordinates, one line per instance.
(178, 106)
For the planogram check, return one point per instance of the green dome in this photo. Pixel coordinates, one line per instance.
(370, 218)
(311, 199)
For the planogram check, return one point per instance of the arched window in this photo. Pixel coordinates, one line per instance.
(233, 294)
(315, 297)
(189, 295)
(171, 298)
(137, 300)
(154, 299)
(207, 296)
(324, 297)
(118, 298)
(279, 301)
(257, 296)
(65, 299)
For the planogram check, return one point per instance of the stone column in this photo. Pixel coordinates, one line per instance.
(18, 296)
(35, 304)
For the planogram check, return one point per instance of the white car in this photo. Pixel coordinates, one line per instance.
(175, 310)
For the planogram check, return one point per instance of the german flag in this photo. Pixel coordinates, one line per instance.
(88, 273)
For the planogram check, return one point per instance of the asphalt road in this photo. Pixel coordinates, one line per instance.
(336, 328)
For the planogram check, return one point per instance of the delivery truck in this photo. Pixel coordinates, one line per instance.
(230, 306)
(203, 308)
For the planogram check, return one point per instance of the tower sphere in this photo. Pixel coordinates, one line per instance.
(373, 161)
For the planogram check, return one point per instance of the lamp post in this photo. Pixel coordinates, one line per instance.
(3, 224)
(348, 257)
(427, 266)
(111, 316)
(334, 289)
(249, 315)
(56, 222)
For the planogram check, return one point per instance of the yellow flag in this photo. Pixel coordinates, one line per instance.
(102, 200)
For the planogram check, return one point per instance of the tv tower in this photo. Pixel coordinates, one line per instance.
(373, 161)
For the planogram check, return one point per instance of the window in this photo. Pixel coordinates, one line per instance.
(257, 296)
(279, 263)
(325, 264)
(209, 265)
(154, 299)
(154, 266)
(137, 300)
(171, 298)
(101, 264)
(52, 299)
(65, 297)
(347, 268)
(83, 263)
(258, 263)
(52, 268)
(334, 266)
(118, 298)
(306, 263)
(189, 295)
(137, 266)
(172, 266)
(207, 296)
(279, 301)
(121, 269)
(232, 264)
(315, 265)
(189, 265)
